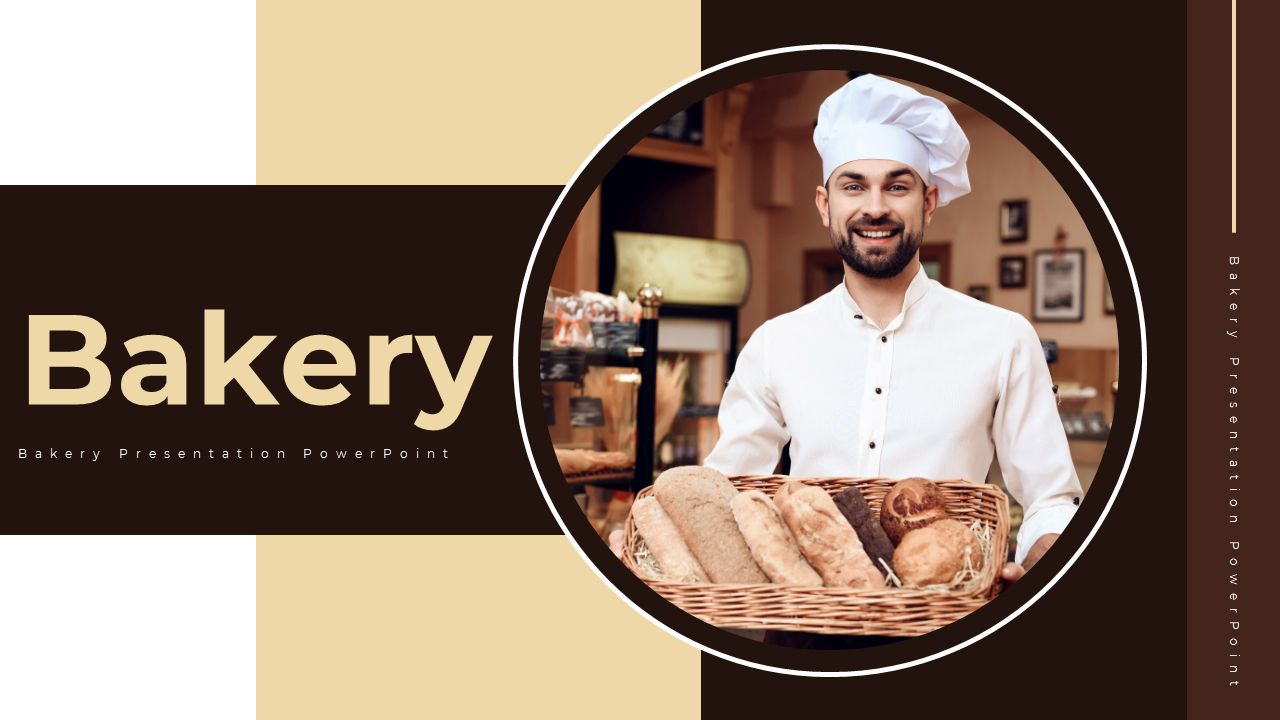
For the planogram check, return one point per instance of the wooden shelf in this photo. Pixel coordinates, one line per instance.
(698, 411)
(675, 152)
(598, 358)
(704, 155)
(596, 478)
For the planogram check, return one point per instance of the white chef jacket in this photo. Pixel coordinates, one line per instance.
(948, 382)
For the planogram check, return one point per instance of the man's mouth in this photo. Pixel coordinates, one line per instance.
(877, 236)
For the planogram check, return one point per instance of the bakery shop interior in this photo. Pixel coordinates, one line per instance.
(829, 329)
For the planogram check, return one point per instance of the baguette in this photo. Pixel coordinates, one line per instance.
(828, 541)
(785, 491)
(601, 461)
(577, 462)
(772, 545)
(664, 541)
(572, 462)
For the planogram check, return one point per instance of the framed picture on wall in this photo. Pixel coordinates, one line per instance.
(1013, 221)
(1058, 292)
(1013, 271)
(978, 292)
(684, 127)
(1108, 302)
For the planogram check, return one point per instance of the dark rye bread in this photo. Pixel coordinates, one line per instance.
(909, 505)
(875, 543)
(698, 500)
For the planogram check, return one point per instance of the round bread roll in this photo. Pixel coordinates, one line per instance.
(697, 499)
(911, 504)
(934, 554)
(772, 544)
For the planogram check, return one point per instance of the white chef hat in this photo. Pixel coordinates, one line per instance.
(871, 118)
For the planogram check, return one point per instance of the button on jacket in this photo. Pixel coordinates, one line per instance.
(950, 381)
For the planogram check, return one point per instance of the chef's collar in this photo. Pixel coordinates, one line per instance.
(920, 285)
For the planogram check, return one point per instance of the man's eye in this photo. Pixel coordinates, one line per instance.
(898, 187)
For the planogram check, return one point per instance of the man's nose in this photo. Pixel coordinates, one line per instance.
(875, 207)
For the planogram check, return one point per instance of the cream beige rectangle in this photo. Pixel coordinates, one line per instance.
(416, 626)
(392, 91)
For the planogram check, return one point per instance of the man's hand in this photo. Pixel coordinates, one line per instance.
(615, 543)
(1013, 572)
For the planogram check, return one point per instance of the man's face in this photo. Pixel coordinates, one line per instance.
(876, 211)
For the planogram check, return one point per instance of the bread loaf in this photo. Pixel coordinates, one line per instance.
(665, 543)
(828, 541)
(576, 462)
(601, 461)
(785, 491)
(912, 503)
(697, 499)
(572, 462)
(875, 543)
(934, 554)
(772, 545)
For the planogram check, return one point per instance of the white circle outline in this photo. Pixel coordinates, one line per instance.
(1142, 385)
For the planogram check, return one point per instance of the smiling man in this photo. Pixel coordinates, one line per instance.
(891, 374)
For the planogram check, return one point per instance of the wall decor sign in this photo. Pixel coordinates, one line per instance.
(1013, 221)
(1058, 293)
(1013, 271)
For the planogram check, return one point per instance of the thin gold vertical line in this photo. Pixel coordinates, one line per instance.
(1233, 116)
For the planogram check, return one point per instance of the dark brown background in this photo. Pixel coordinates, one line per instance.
(1105, 80)
(290, 262)
(1209, 349)
(1131, 357)
(1110, 83)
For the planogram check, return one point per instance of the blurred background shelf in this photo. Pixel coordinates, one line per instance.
(689, 410)
(613, 481)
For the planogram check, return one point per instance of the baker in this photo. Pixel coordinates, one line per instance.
(891, 374)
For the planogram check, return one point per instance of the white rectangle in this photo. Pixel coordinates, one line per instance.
(131, 627)
(128, 92)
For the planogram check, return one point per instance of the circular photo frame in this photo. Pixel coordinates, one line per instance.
(1131, 333)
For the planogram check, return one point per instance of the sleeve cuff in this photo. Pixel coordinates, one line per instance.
(1042, 522)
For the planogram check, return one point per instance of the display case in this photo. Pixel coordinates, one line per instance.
(569, 366)
(678, 184)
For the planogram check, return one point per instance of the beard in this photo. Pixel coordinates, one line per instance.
(877, 261)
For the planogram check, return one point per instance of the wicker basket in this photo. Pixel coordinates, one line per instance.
(842, 611)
